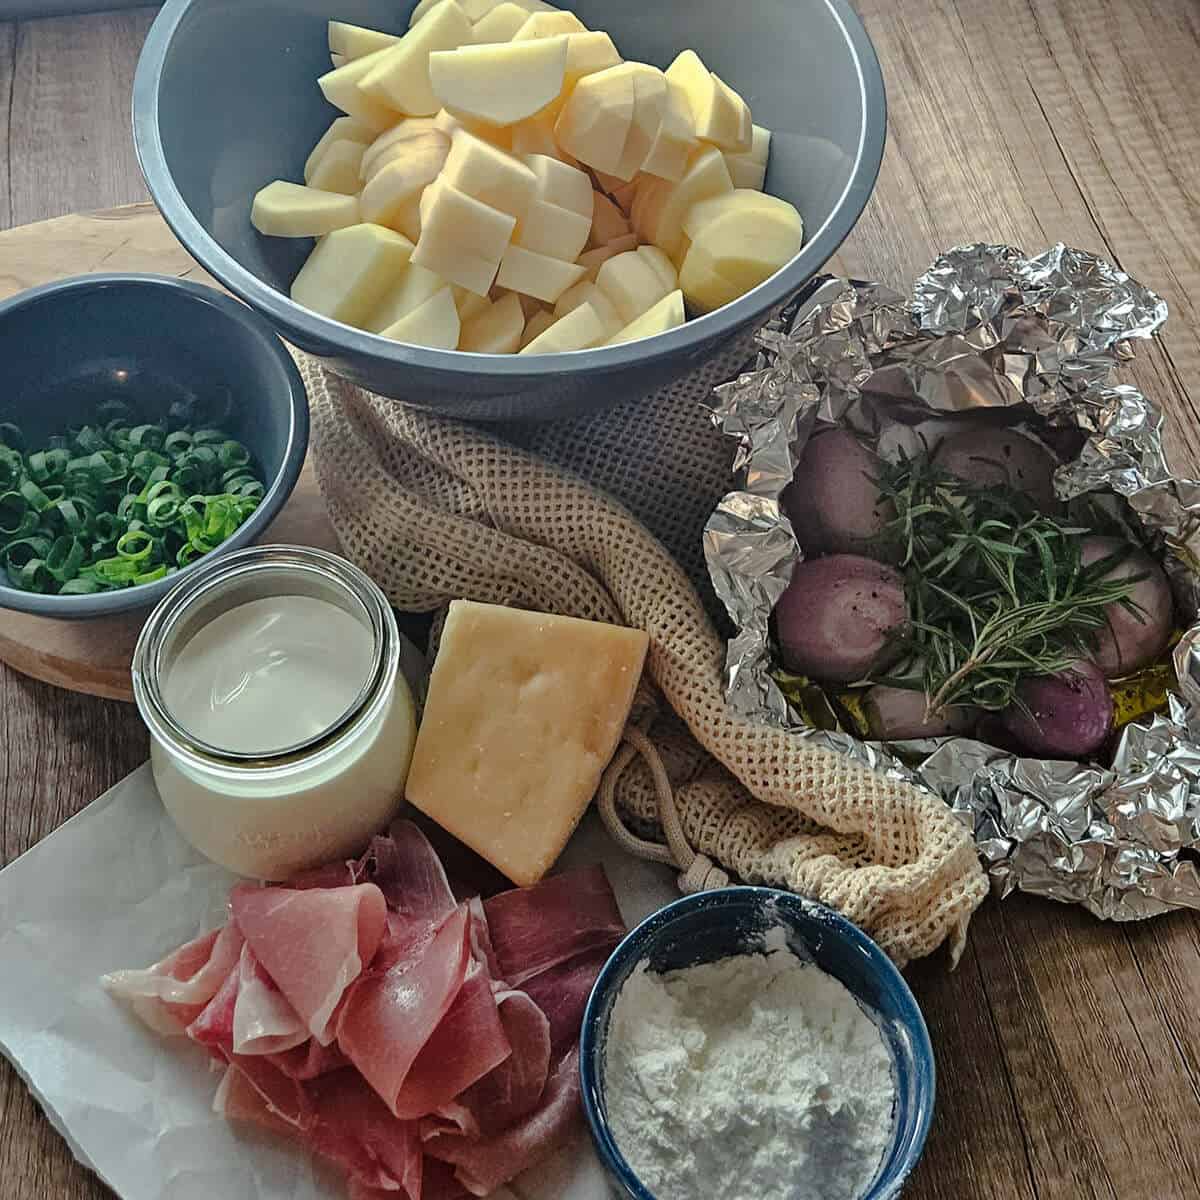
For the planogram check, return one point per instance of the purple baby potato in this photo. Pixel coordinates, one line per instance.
(836, 619)
(833, 502)
(1001, 456)
(1068, 715)
(1132, 639)
(896, 713)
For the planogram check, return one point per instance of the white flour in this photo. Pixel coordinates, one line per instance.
(758, 1077)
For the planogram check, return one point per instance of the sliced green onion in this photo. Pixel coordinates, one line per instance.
(65, 558)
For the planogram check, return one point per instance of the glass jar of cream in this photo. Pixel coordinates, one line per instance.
(281, 727)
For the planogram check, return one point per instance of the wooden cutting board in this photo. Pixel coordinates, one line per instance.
(93, 656)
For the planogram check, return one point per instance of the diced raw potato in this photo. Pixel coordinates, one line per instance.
(661, 264)
(383, 147)
(468, 303)
(284, 209)
(401, 77)
(586, 292)
(499, 25)
(529, 305)
(745, 136)
(578, 330)
(588, 53)
(596, 120)
(536, 136)
(353, 41)
(607, 183)
(623, 196)
(560, 183)
(716, 110)
(499, 84)
(536, 325)
(338, 60)
(661, 206)
(462, 239)
(666, 314)
(627, 241)
(496, 330)
(649, 101)
(423, 7)
(735, 253)
(349, 270)
(593, 260)
(749, 170)
(341, 88)
(408, 219)
(536, 275)
(489, 174)
(675, 141)
(548, 229)
(404, 178)
(436, 323)
(343, 129)
(608, 222)
(632, 285)
(410, 290)
(338, 169)
(549, 24)
(746, 200)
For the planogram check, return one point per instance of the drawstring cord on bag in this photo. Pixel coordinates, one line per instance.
(697, 872)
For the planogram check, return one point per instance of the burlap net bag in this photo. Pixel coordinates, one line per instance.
(543, 517)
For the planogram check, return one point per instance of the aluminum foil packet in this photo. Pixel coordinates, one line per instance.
(984, 328)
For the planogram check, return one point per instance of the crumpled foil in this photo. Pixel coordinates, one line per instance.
(985, 328)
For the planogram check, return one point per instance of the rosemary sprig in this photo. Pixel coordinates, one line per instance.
(997, 591)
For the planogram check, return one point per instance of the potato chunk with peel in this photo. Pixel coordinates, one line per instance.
(668, 313)
(349, 271)
(401, 76)
(737, 252)
(578, 330)
(435, 323)
(462, 239)
(496, 330)
(537, 275)
(499, 84)
(284, 209)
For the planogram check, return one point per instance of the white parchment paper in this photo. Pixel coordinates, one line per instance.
(116, 886)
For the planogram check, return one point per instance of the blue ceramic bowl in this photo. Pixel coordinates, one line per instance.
(712, 925)
(225, 100)
(151, 341)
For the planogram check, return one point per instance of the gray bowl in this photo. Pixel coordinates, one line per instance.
(151, 341)
(225, 100)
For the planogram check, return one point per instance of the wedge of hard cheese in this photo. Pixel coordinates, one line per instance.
(523, 714)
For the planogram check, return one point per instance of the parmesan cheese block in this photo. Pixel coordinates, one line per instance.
(524, 712)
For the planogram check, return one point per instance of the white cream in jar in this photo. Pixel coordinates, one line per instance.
(281, 728)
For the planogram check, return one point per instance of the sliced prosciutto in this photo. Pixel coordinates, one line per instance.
(392, 1011)
(170, 995)
(427, 1046)
(481, 1165)
(314, 943)
(536, 928)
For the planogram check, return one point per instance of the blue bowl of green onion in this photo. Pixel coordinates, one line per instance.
(146, 422)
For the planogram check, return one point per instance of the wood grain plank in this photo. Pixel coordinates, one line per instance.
(70, 143)
(8, 46)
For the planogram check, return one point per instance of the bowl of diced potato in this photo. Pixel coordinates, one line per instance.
(503, 209)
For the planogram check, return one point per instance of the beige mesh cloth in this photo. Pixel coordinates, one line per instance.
(532, 516)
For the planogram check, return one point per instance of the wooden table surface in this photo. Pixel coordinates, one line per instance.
(1068, 1050)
